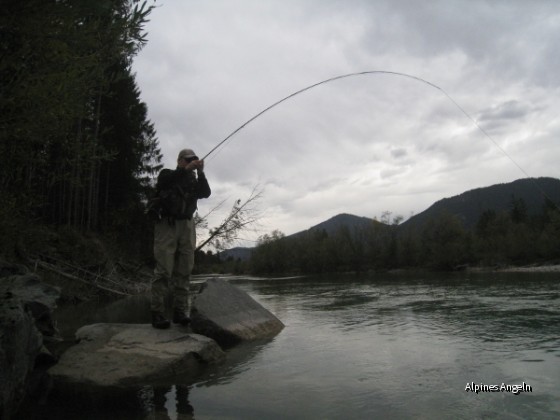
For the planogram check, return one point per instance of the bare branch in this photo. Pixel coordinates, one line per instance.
(241, 215)
(213, 210)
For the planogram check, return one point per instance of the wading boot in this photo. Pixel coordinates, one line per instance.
(179, 317)
(159, 321)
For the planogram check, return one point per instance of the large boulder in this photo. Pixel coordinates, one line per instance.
(123, 355)
(38, 297)
(230, 316)
(26, 305)
(20, 342)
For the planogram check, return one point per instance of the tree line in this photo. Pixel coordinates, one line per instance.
(443, 243)
(77, 147)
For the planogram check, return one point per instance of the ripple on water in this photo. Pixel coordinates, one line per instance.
(395, 347)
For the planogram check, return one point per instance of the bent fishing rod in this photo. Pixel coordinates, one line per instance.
(332, 79)
(375, 72)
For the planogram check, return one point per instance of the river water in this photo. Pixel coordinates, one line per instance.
(377, 346)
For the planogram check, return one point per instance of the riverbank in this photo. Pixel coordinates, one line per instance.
(547, 268)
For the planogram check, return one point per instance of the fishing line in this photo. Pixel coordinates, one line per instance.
(332, 79)
(394, 73)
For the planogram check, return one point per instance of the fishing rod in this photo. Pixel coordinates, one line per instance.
(374, 72)
(361, 73)
(332, 79)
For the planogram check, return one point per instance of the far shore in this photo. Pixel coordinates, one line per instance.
(549, 268)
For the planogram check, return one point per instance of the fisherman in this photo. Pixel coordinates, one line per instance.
(174, 235)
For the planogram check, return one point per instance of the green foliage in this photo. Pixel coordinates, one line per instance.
(519, 212)
(444, 243)
(270, 256)
(548, 243)
(76, 147)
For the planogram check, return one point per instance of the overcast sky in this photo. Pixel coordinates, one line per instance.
(360, 145)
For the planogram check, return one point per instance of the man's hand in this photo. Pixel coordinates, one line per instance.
(195, 164)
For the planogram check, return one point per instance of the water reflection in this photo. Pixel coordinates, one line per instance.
(240, 359)
(405, 346)
(149, 401)
(86, 403)
(163, 403)
(520, 310)
(387, 346)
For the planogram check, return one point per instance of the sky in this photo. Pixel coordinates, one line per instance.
(481, 106)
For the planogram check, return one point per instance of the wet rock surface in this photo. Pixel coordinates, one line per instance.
(111, 356)
(130, 354)
(26, 306)
(229, 315)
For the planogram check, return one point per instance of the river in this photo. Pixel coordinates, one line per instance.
(409, 345)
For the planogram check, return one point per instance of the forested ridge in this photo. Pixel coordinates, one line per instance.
(79, 154)
(77, 148)
(506, 224)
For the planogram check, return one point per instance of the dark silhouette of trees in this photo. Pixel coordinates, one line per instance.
(76, 147)
(443, 243)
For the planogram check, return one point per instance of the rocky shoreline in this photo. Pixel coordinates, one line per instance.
(114, 355)
(26, 329)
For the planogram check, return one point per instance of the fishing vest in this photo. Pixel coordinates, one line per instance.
(177, 192)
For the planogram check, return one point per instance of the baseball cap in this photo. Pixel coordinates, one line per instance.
(187, 153)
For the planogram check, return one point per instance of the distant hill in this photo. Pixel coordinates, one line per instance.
(332, 225)
(469, 205)
(241, 253)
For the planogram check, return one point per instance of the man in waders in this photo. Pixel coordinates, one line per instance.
(174, 235)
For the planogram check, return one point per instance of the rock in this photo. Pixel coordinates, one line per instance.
(9, 269)
(26, 305)
(229, 315)
(39, 298)
(134, 354)
(20, 342)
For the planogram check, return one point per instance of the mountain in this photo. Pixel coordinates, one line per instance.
(241, 253)
(471, 204)
(468, 206)
(332, 225)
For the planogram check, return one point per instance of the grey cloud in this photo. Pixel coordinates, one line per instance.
(507, 110)
(390, 173)
(366, 144)
(398, 153)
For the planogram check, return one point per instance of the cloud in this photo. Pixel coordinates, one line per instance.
(365, 144)
(505, 111)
